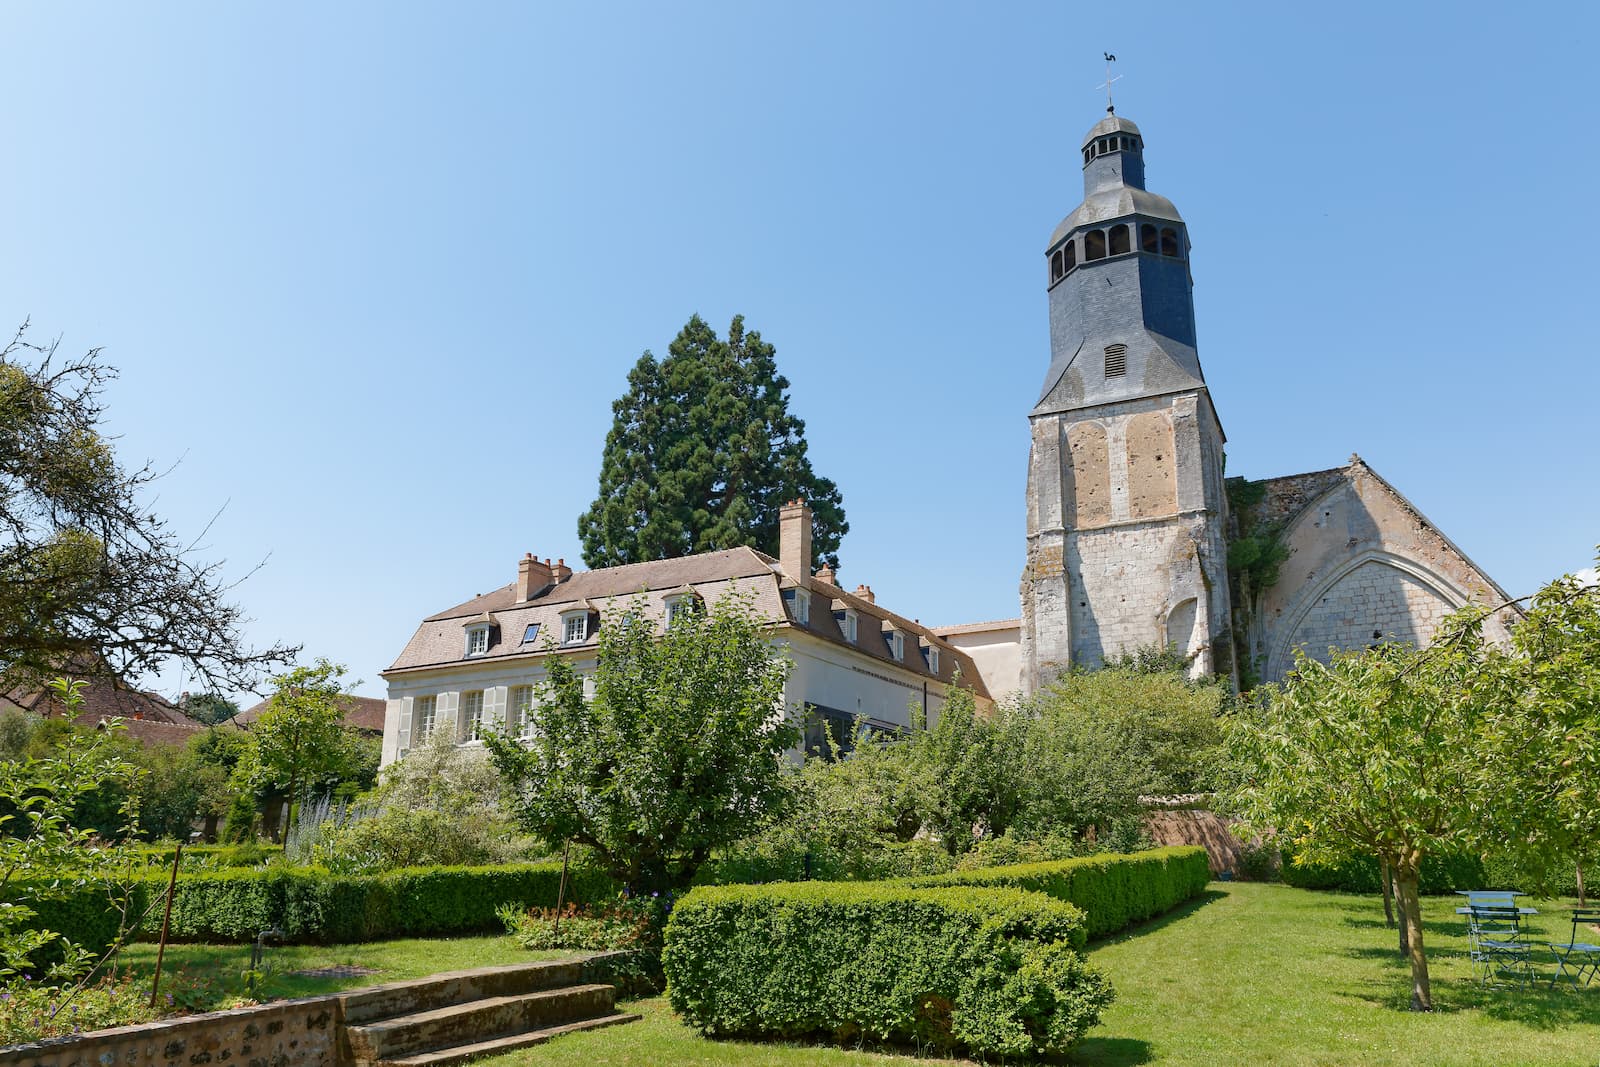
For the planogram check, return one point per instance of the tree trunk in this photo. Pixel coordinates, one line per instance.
(1411, 908)
(1388, 891)
(1583, 900)
(1405, 923)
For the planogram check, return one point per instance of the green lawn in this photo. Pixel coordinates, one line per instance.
(204, 975)
(1255, 974)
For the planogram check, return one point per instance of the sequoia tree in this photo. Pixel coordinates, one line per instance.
(702, 454)
(90, 581)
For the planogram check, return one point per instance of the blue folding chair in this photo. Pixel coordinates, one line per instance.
(1498, 945)
(1583, 956)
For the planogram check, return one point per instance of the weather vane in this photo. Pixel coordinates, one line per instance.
(1106, 85)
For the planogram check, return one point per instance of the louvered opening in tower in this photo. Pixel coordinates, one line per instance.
(1116, 361)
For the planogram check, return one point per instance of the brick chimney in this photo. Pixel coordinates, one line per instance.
(794, 541)
(827, 574)
(533, 577)
(864, 592)
(560, 572)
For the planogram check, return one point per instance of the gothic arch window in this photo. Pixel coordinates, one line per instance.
(1094, 245)
(1147, 239)
(1169, 241)
(1119, 239)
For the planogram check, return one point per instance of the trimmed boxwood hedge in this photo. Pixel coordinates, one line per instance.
(994, 971)
(1114, 891)
(308, 904)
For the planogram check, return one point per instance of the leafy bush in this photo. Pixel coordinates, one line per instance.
(29, 1012)
(796, 856)
(618, 924)
(309, 904)
(1438, 875)
(1258, 861)
(1009, 850)
(995, 972)
(1114, 891)
(250, 854)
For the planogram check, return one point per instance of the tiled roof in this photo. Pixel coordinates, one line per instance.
(441, 641)
(977, 627)
(361, 713)
(149, 718)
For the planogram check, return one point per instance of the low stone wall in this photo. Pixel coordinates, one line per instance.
(1196, 826)
(287, 1033)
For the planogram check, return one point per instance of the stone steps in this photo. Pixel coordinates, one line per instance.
(447, 1018)
(461, 1053)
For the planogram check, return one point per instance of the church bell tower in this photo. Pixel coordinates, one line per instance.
(1126, 508)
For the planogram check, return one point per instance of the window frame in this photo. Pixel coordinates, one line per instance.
(568, 618)
(424, 718)
(477, 640)
(472, 721)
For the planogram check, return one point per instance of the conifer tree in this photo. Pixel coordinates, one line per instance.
(702, 455)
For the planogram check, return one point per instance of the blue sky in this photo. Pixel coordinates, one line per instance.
(374, 273)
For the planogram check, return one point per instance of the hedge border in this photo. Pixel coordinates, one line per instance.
(1114, 890)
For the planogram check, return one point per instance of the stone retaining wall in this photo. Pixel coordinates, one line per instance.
(287, 1033)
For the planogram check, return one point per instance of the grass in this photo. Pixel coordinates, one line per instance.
(1257, 974)
(1253, 974)
(204, 976)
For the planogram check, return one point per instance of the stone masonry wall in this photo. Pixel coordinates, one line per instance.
(293, 1033)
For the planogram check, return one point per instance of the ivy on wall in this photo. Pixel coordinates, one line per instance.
(1256, 553)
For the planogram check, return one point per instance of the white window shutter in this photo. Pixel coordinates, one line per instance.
(494, 707)
(403, 738)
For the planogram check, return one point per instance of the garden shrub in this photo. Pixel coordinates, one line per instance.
(250, 854)
(1113, 890)
(309, 904)
(616, 925)
(1439, 874)
(995, 972)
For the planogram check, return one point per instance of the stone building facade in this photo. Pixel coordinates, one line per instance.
(1126, 510)
(1127, 514)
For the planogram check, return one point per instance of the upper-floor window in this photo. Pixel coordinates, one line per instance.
(478, 639)
(930, 655)
(1094, 245)
(531, 634)
(575, 628)
(896, 642)
(847, 623)
(799, 602)
(422, 717)
(1169, 242)
(681, 606)
(1058, 265)
(472, 715)
(1148, 241)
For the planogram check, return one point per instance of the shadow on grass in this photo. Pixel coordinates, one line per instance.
(1110, 1051)
(1150, 926)
(1537, 1006)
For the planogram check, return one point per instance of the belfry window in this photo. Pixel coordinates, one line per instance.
(1116, 361)
(1072, 255)
(1094, 245)
(1058, 266)
(1169, 242)
(1147, 239)
(1119, 239)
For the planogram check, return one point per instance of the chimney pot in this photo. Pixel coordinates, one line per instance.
(865, 593)
(560, 572)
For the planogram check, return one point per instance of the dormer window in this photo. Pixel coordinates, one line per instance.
(681, 605)
(847, 624)
(930, 655)
(478, 636)
(896, 642)
(799, 602)
(575, 627)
